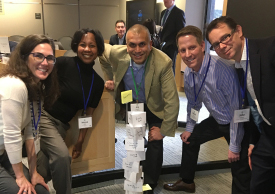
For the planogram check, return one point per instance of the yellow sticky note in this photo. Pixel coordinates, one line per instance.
(126, 96)
(146, 187)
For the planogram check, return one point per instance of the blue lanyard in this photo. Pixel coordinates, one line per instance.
(243, 88)
(196, 96)
(35, 124)
(84, 100)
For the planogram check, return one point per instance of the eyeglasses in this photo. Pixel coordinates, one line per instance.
(223, 40)
(39, 57)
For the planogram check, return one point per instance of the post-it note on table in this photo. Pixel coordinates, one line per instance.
(146, 187)
(126, 96)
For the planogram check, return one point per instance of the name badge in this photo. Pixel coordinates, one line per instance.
(241, 115)
(137, 107)
(84, 122)
(37, 145)
(194, 115)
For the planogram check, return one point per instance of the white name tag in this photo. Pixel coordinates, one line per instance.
(194, 115)
(241, 115)
(84, 122)
(37, 145)
(137, 107)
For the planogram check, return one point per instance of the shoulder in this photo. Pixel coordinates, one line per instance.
(266, 44)
(13, 88)
(160, 57)
(64, 61)
(223, 66)
(113, 36)
(177, 10)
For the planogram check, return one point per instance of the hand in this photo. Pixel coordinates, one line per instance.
(77, 150)
(154, 134)
(110, 85)
(184, 136)
(25, 186)
(233, 157)
(38, 179)
(250, 149)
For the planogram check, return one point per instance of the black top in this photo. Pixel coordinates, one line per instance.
(71, 95)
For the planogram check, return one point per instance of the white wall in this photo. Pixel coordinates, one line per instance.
(194, 13)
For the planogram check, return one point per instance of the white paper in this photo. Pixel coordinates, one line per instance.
(135, 187)
(241, 115)
(134, 145)
(37, 145)
(135, 132)
(134, 156)
(130, 166)
(137, 107)
(84, 122)
(194, 115)
(136, 119)
(134, 177)
(4, 45)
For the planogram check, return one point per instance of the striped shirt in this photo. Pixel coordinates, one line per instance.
(220, 94)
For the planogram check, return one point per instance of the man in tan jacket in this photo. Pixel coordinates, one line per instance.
(148, 73)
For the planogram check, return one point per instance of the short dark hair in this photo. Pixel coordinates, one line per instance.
(151, 25)
(119, 21)
(18, 67)
(230, 22)
(98, 39)
(190, 30)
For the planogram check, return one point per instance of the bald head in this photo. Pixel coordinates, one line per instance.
(138, 29)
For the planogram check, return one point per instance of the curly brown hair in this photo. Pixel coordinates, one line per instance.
(17, 66)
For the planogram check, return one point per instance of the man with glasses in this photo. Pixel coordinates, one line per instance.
(212, 81)
(256, 57)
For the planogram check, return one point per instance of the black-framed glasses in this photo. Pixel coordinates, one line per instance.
(223, 40)
(39, 57)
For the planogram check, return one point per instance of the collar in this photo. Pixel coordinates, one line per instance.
(171, 8)
(243, 58)
(139, 66)
(122, 36)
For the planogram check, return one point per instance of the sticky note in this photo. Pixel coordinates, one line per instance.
(146, 187)
(126, 96)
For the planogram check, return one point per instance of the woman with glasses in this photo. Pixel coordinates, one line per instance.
(81, 88)
(26, 82)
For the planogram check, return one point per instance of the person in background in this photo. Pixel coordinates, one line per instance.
(172, 21)
(81, 88)
(255, 58)
(151, 25)
(214, 82)
(27, 81)
(119, 37)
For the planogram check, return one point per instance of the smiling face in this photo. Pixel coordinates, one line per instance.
(87, 48)
(120, 29)
(139, 46)
(40, 70)
(191, 52)
(168, 3)
(232, 49)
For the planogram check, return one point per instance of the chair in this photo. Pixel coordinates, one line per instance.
(16, 38)
(70, 53)
(66, 42)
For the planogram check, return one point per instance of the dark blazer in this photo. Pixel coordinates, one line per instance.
(114, 40)
(174, 23)
(262, 65)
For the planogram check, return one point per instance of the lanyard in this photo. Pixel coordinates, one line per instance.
(84, 100)
(137, 90)
(243, 88)
(35, 124)
(196, 96)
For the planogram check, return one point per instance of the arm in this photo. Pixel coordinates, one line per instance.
(180, 21)
(171, 101)
(190, 124)
(231, 90)
(35, 177)
(106, 64)
(82, 133)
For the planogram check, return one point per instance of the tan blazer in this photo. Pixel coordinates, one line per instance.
(160, 88)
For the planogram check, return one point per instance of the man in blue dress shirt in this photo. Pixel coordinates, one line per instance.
(212, 81)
